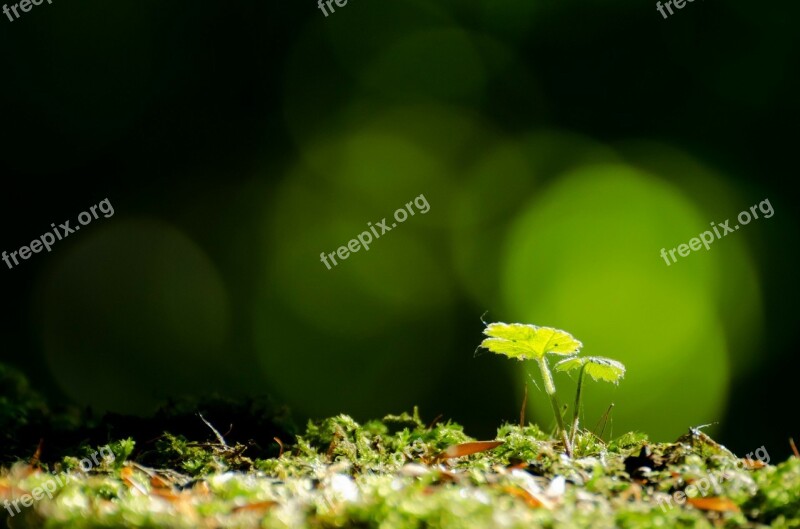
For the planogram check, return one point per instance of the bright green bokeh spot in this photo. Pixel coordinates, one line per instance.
(585, 256)
(483, 210)
(737, 284)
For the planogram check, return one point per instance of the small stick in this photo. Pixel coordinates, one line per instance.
(604, 420)
(794, 448)
(219, 437)
(435, 421)
(147, 470)
(38, 454)
(280, 444)
(524, 406)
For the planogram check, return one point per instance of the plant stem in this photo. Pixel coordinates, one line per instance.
(550, 389)
(577, 410)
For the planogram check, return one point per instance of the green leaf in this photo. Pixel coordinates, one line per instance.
(597, 367)
(523, 342)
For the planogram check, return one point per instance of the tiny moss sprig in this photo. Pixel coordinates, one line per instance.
(530, 342)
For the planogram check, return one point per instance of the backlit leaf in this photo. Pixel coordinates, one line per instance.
(523, 342)
(597, 367)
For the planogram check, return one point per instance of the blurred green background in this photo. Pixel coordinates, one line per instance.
(560, 146)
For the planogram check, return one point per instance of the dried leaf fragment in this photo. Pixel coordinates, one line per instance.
(260, 506)
(466, 449)
(531, 500)
(713, 504)
(753, 464)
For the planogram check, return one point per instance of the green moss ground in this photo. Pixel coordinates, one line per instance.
(396, 473)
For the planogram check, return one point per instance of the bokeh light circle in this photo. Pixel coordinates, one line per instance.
(133, 314)
(582, 258)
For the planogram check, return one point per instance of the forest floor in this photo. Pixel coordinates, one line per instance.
(176, 469)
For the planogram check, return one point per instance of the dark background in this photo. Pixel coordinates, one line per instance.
(238, 140)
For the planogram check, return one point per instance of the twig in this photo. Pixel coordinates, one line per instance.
(219, 437)
(435, 421)
(37, 454)
(604, 420)
(794, 448)
(524, 406)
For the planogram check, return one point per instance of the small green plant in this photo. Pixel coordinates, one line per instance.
(598, 368)
(529, 342)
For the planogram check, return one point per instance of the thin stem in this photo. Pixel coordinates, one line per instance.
(550, 389)
(577, 411)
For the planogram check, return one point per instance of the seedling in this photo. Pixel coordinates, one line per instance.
(598, 368)
(529, 342)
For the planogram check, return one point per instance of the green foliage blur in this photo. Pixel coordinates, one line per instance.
(560, 145)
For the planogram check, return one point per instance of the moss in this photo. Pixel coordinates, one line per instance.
(777, 499)
(398, 473)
